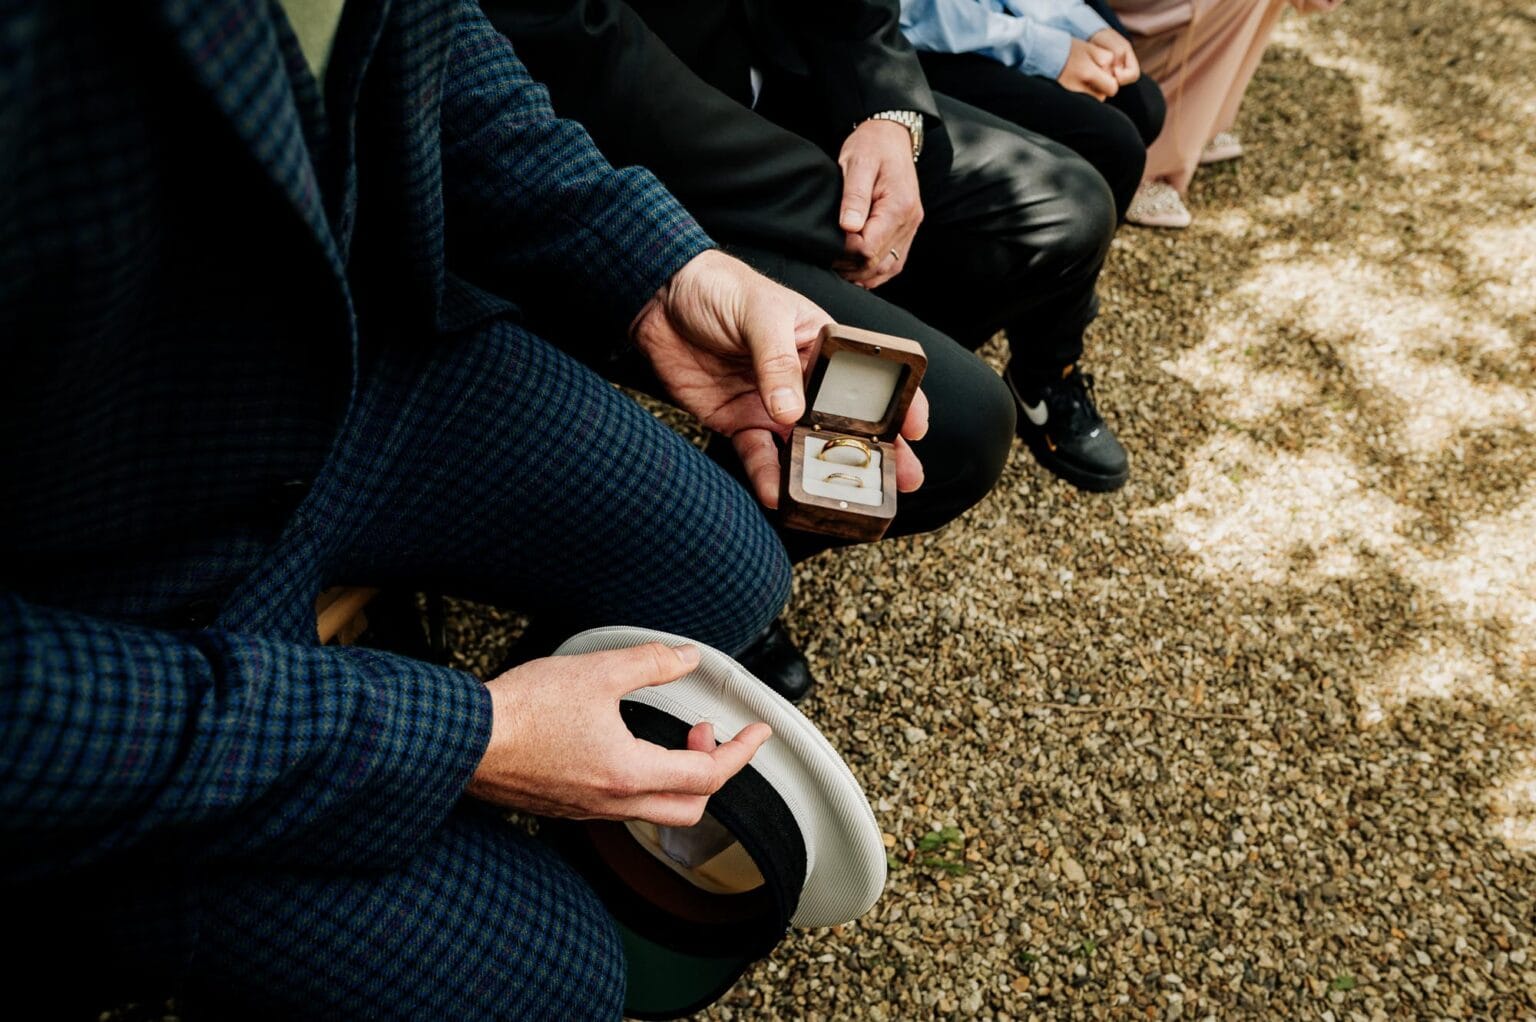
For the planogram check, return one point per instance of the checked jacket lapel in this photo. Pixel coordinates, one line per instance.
(231, 48)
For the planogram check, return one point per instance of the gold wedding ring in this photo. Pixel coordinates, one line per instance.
(844, 477)
(849, 443)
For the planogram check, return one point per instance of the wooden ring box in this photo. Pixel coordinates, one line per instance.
(860, 386)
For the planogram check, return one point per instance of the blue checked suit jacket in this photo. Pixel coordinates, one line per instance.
(187, 290)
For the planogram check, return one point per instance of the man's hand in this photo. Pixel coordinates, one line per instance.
(1125, 67)
(882, 206)
(1089, 69)
(559, 747)
(732, 347)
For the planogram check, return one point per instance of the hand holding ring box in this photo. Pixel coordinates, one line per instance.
(840, 465)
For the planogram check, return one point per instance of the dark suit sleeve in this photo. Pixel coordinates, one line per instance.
(220, 747)
(855, 53)
(745, 178)
(533, 209)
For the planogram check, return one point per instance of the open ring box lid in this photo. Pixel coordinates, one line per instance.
(790, 840)
(860, 386)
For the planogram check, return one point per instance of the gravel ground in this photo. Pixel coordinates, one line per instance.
(1256, 736)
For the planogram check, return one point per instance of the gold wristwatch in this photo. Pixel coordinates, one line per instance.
(909, 119)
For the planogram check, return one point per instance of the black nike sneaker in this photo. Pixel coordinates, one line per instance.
(1066, 433)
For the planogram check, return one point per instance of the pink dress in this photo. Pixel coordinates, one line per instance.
(1202, 53)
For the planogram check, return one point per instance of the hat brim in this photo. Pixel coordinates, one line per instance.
(845, 865)
(844, 856)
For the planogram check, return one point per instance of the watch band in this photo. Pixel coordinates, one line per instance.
(909, 119)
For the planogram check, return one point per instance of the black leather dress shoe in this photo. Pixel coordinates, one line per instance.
(775, 659)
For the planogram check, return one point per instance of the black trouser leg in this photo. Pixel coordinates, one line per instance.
(1112, 136)
(1014, 237)
(1142, 101)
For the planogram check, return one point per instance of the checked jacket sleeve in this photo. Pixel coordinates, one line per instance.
(533, 209)
(212, 746)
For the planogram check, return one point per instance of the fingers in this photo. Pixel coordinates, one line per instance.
(874, 272)
(909, 470)
(1101, 82)
(880, 253)
(693, 772)
(1132, 62)
(701, 773)
(663, 810)
(760, 457)
(1128, 70)
(1099, 74)
(881, 232)
(858, 192)
(701, 737)
(915, 425)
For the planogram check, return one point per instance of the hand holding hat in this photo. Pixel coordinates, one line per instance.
(789, 840)
(559, 747)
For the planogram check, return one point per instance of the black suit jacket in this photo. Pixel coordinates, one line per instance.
(664, 84)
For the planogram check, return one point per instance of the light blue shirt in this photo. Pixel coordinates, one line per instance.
(1034, 36)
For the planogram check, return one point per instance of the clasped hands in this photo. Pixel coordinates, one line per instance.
(1101, 65)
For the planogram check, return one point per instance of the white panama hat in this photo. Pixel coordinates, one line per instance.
(789, 841)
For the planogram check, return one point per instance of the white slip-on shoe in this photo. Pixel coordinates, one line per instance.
(1157, 204)
(1223, 147)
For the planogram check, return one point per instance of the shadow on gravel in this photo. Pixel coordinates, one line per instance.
(1256, 737)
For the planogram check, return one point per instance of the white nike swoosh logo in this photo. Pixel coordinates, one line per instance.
(1036, 412)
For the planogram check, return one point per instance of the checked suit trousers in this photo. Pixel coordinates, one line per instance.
(492, 465)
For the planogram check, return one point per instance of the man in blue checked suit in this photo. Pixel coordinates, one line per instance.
(270, 273)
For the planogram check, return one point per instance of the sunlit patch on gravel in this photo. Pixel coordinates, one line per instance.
(1251, 515)
(1434, 671)
(1222, 363)
(1490, 575)
(1506, 257)
(1514, 807)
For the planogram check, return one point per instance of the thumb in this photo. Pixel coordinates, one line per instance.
(858, 190)
(775, 362)
(637, 667)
